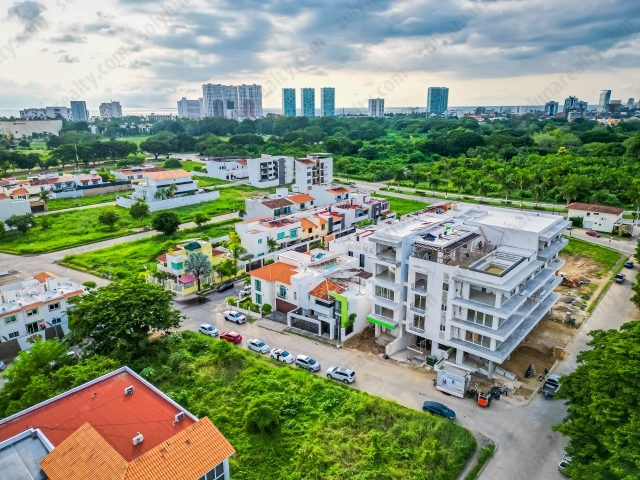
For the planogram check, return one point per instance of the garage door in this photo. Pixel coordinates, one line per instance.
(586, 224)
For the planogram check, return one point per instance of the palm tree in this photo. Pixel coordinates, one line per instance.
(44, 196)
(537, 190)
(171, 190)
(458, 179)
(482, 187)
(198, 264)
(434, 181)
(273, 245)
(506, 186)
(399, 176)
(160, 194)
(237, 250)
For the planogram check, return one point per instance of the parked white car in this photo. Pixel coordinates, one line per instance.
(208, 330)
(341, 373)
(307, 363)
(258, 345)
(235, 317)
(246, 290)
(281, 355)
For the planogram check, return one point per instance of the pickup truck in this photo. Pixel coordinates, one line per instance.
(619, 278)
(551, 385)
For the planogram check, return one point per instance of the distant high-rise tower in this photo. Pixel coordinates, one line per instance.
(79, 111)
(249, 101)
(327, 102)
(437, 100)
(605, 99)
(220, 100)
(551, 108)
(376, 107)
(110, 110)
(570, 103)
(289, 102)
(631, 102)
(308, 102)
(190, 108)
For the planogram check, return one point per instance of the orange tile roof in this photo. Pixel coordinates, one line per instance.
(329, 238)
(323, 221)
(3, 196)
(251, 220)
(276, 272)
(187, 455)
(301, 198)
(42, 276)
(20, 191)
(162, 258)
(167, 174)
(306, 223)
(306, 161)
(242, 162)
(215, 252)
(322, 290)
(338, 190)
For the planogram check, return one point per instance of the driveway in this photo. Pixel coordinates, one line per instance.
(528, 449)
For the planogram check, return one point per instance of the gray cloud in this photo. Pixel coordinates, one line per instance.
(30, 14)
(68, 38)
(139, 64)
(68, 59)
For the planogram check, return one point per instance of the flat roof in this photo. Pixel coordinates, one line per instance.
(536, 223)
(103, 405)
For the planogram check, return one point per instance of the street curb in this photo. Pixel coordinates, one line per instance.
(473, 461)
(490, 458)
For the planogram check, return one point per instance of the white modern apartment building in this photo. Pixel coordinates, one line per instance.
(283, 202)
(166, 189)
(376, 107)
(58, 113)
(468, 285)
(227, 168)
(191, 108)
(314, 169)
(270, 171)
(110, 110)
(33, 114)
(33, 306)
(231, 101)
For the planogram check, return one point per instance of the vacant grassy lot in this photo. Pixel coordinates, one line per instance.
(129, 258)
(402, 206)
(209, 181)
(64, 203)
(603, 256)
(287, 423)
(231, 200)
(68, 229)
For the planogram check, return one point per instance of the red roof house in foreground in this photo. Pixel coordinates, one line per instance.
(118, 426)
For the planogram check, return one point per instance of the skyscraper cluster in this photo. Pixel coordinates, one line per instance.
(437, 100)
(308, 102)
(232, 101)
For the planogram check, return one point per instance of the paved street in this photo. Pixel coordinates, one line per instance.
(527, 448)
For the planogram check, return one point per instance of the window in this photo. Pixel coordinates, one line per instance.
(177, 266)
(32, 312)
(383, 312)
(259, 241)
(258, 299)
(293, 233)
(323, 225)
(32, 327)
(14, 335)
(287, 210)
(311, 230)
(258, 286)
(418, 322)
(280, 235)
(276, 212)
(383, 292)
(56, 321)
(282, 292)
(295, 295)
(445, 287)
(216, 473)
(443, 327)
(11, 319)
(484, 319)
(481, 340)
(350, 254)
(443, 307)
(54, 306)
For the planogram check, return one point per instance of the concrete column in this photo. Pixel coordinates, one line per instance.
(331, 330)
(459, 355)
(490, 368)
(498, 303)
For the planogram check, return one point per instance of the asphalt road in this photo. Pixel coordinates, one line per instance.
(527, 448)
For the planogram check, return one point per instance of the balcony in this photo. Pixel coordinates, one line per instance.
(414, 329)
(420, 286)
(552, 250)
(419, 307)
(386, 258)
(386, 279)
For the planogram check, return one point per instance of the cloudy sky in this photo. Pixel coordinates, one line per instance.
(150, 53)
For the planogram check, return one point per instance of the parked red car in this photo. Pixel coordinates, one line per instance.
(593, 233)
(232, 337)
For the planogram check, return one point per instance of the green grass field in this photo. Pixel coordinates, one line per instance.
(402, 206)
(288, 423)
(231, 200)
(68, 229)
(140, 255)
(64, 203)
(605, 257)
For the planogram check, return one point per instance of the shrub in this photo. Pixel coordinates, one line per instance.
(264, 414)
(266, 309)
(577, 222)
(231, 301)
(172, 163)
(90, 284)
(166, 222)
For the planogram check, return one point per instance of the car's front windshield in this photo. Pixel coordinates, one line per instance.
(312, 361)
(285, 353)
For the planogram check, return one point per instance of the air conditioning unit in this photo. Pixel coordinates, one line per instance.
(178, 417)
(138, 439)
(128, 390)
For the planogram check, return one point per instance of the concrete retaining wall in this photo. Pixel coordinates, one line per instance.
(156, 205)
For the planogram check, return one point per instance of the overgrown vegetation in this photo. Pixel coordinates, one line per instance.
(402, 206)
(484, 457)
(605, 257)
(64, 203)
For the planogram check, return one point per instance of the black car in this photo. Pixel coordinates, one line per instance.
(619, 278)
(628, 264)
(223, 287)
(438, 409)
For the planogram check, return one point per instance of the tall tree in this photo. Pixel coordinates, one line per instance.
(139, 210)
(166, 222)
(108, 218)
(198, 264)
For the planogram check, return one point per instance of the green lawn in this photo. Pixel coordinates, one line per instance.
(140, 255)
(210, 181)
(231, 199)
(605, 257)
(287, 423)
(63, 203)
(402, 206)
(68, 229)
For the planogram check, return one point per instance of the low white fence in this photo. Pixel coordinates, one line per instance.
(155, 205)
(69, 194)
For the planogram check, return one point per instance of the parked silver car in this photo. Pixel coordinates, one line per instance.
(208, 330)
(308, 363)
(341, 373)
(258, 345)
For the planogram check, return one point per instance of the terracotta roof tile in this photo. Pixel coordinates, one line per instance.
(301, 198)
(3, 196)
(242, 162)
(276, 203)
(306, 223)
(215, 252)
(587, 207)
(20, 191)
(162, 258)
(305, 161)
(42, 276)
(251, 220)
(322, 290)
(338, 190)
(276, 272)
(167, 174)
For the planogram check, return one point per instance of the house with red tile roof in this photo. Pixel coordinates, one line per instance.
(118, 426)
(36, 306)
(13, 206)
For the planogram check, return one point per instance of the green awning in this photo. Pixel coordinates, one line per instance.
(381, 323)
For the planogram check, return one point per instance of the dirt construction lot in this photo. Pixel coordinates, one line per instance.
(365, 341)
